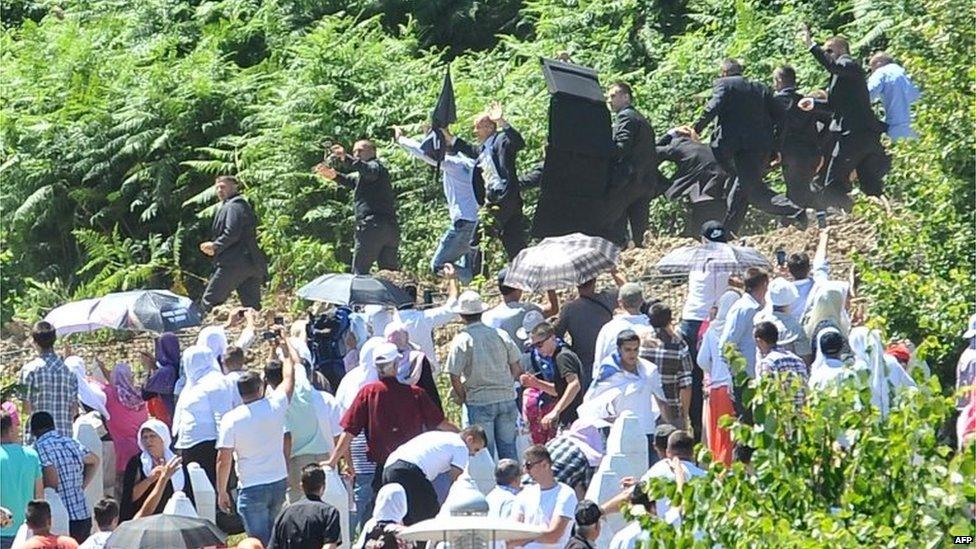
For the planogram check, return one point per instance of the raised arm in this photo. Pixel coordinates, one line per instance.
(292, 359)
(152, 501)
(412, 146)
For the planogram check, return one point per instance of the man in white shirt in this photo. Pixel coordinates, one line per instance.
(106, 513)
(508, 314)
(416, 464)
(253, 435)
(630, 298)
(547, 503)
(507, 485)
(739, 324)
(805, 278)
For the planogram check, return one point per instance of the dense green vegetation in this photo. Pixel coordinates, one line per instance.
(117, 115)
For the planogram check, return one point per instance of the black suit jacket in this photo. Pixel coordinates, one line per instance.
(634, 155)
(847, 95)
(504, 145)
(697, 175)
(373, 196)
(747, 113)
(235, 235)
(800, 131)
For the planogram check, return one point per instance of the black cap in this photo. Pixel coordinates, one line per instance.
(714, 231)
(587, 513)
(664, 430)
(831, 342)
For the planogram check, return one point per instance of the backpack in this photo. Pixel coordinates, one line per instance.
(325, 334)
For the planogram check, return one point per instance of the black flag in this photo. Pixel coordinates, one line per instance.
(443, 115)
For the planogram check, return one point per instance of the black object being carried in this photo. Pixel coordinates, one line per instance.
(575, 178)
(325, 334)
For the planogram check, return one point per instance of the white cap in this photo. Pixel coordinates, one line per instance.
(971, 331)
(782, 293)
(385, 352)
(529, 322)
(469, 303)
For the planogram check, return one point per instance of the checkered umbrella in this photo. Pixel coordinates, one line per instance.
(561, 261)
(718, 255)
(170, 531)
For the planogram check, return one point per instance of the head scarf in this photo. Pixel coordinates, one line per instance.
(585, 433)
(828, 302)
(11, 410)
(90, 394)
(869, 354)
(127, 393)
(146, 459)
(163, 379)
(198, 361)
(359, 376)
(215, 338)
(411, 363)
(391, 504)
(820, 361)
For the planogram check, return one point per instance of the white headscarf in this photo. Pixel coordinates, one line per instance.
(868, 353)
(391, 506)
(90, 394)
(829, 302)
(724, 304)
(198, 363)
(359, 376)
(215, 338)
(146, 459)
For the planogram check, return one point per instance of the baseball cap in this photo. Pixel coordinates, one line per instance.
(831, 342)
(588, 513)
(714, 231)
(529, 322)
(782, 292)
(385, 352)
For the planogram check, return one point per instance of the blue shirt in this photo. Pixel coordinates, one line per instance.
(738, 330)
(458, 172)
(896, 91)
(67, 455)
(20, 467)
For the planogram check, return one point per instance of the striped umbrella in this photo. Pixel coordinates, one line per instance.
(170, 531)
(718, 255)
(560, 262)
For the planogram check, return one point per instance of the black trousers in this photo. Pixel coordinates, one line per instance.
(421, 498)
(747, 166)
(799, 171)
(245, 278)
(376, 241)
(510, 225)
(205, 453)
(705, 210)
(80, 529)
(861, 151)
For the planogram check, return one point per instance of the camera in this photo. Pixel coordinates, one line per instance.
(269, 335)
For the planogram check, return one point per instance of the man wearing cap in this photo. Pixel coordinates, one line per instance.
(483, 362)
(792, 336)
(706, 282)
(508, 314)
(588, 515)
(828, 367)
(554, 371)
(630, 298)
(390, 412)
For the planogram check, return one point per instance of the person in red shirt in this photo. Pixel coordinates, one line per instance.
(38, 519)
(390, 412)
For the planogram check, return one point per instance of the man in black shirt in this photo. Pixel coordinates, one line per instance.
(587, 531)
(800, 154)
(238, 262)
(565, 385)
(309, 523)
(377, 237)
(633, 177)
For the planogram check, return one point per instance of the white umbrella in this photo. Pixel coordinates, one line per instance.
(718, 255)
(469, 530)
(139, 310)
(74, 317)
(561, 262)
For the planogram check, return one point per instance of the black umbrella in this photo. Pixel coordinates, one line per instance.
(146, 310)
(348, 289)
(170, 531)
(443, 115)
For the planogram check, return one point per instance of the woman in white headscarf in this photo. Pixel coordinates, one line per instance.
(827, 307)
(89, 393)
(380, 530)
(144, 468)
(828, 367)
(199, 408)
(719, 382)
(213, 338)
(869, 355)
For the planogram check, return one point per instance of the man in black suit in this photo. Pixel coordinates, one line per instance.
(743, 142)
(697, 176)
(496, 180)
(377, 238)
(856, 129)
(633, 174)
(799, 138)
(239, 264)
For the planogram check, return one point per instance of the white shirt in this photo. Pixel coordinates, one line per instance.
(820, 274)
(95, 541)
(629, 537)
(501, 502)
(434, 452)
(710, 360)
(457, 171)
(637, 392)
(662, 469)
(508, 317)
(204, 404)
(421, 324)
(255, 432)
(705, 285)
(606, 340)
(537, 507)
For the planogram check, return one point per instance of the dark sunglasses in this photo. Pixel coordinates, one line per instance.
(529, 465)
(539, 344)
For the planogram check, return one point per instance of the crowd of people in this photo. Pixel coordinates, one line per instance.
(538, 386)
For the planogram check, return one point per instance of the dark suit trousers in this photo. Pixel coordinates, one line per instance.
(376, 241)
(509, 225)
(860, 151)
(799, 170)
(747, 167)
(245, 278)
(630, 206)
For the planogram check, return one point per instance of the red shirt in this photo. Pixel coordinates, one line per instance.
(51, 541)
(391, 413)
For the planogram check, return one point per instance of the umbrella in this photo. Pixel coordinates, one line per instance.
(469, 531)
(561, 261)
(146, 310)
(719, 255)
(170, 531)
(73, 317)
(348, 289)
(443, 115)
(141, 310)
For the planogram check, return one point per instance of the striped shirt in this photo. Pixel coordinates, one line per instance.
(674, 363)
(49, 386)
(67, 455)
(782, 363)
